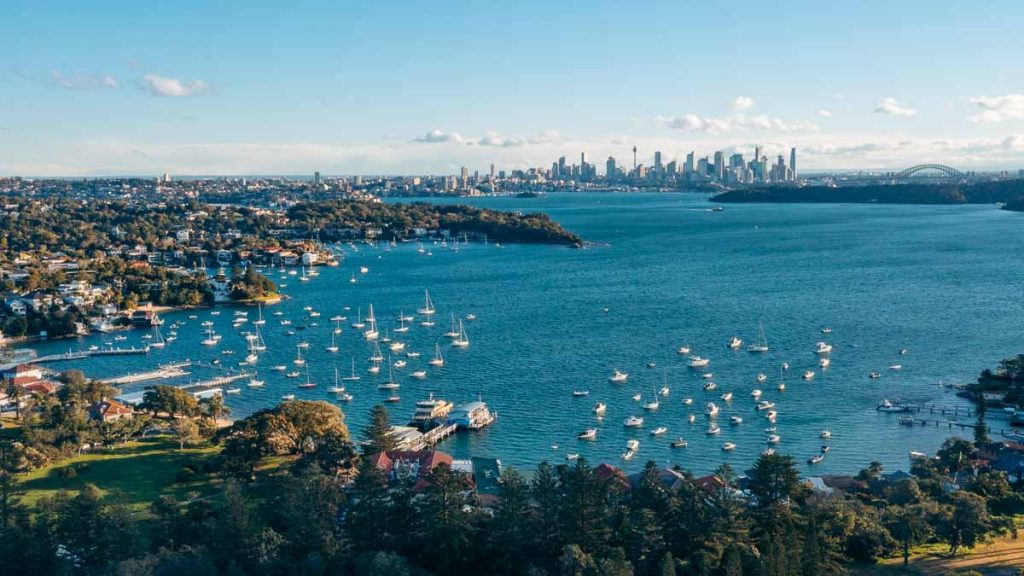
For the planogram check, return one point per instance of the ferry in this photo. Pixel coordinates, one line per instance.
(472, 416)
(430, 412)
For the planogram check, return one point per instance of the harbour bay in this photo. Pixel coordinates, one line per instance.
(665, 271)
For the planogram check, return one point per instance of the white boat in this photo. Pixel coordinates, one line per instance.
(412, 354)
(346, 397)
(774, 439)
(260, 321)
(679, 443)
(816, 459)
(683, 350)
(419, 374)
(888, 406)
(298, 357)
(437, 360)
(279, 368)
(893, 367)
(618, 377)
(653, 405)
(691, 419)
(632, 445)
(826, 330)
(875, 375)
(659, 431)
(728, 447)
(158, 339)
(288, 397)
(396, 346)
(628, 455)
(461, 341)
(428, 306)
(572, 456)
(359, 324)
(688, 401)
(254, 381)
(470, 317)
(233, 391)
(353, 377)
(403, 317)
(452, 332)
(600, 408)
(711, 409)
(374, 368)
(376, 356)
(664, 391)
(765, 405)
(755, 394)
(809, 374)
(353, 280)
(303, 345)
(826, 434)
(698, 362)
(710, 386)
(713, 430)
(822, 348)
(824, 363)
(633, 422)
(637, 397)
(400, 364)
(390, 384)
(338, 388)
(771, 415)
(363, 270)
(762, 377)
(308, 383)
(762, 342)
(735, 420)
(588, 434)
(727, 397)
(578, 393)
(334, 344)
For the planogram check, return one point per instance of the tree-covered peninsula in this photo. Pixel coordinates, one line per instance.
(1010, 192)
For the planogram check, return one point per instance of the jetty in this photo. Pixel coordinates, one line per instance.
(80, 355)
(164, 372)
(213, 382)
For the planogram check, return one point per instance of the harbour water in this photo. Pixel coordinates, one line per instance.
(942, 282)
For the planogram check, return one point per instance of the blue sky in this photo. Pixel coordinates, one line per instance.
(207, 87)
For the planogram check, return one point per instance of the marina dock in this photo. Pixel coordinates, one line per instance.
(162, 373)
(213, 382)
(81, 354)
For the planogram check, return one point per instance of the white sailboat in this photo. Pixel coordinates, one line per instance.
(260, 321)
(371, 332)
(255, 382)
(461, 341)
(428, 306)
(353, 377)
(338, 388)
(453, 332)
(298, 357)
(762, 342)
(158, 339)
(390, 384)
(334, 345)
(437, 360)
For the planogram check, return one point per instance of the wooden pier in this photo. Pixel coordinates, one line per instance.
(173, 370)
(949, 424)
(80, 355)
(213, 382)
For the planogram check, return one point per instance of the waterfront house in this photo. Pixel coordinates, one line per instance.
(487, 477)
(613, 476)
(109, 410)
(410, 467)
(21, 375)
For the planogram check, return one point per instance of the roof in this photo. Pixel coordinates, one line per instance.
(613, 474)
(44, 387)
(709, 483)
(108, 407)
(487, 473)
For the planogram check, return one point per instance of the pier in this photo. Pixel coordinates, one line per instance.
(949, 424)
(213, 382)
(80, 355)
(173, 370)
(943, 409)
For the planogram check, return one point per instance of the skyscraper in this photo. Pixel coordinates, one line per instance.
(689, 163)
(561, 166)
(657, 163)
(719, 165)
(792, 162)
(609, 168)
(316, 178)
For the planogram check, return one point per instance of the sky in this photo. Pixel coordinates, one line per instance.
(207, 87)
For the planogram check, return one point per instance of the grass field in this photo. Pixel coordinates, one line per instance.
(1002, 556)
(134, 474)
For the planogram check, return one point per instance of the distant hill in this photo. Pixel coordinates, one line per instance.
(1010, 192)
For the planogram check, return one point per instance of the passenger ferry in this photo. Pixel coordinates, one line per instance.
(430, 412)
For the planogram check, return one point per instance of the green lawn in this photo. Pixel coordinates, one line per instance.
(135, 474)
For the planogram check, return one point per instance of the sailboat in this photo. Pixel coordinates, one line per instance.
(309, 383)
(158, 339)
(428, 306)
(298, 358)
(461, 341)
(371, 332)
(402, 328)
(390, 384)
(256, 342)
(377, 356)
(211, 338)
(337, 388)
(353, 377)
(762, 342)
(453, 332)
(358, 324)
(437, 360)
(260, 321)
(334, 345)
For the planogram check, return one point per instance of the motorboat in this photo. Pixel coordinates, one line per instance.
(713, 430)
(633, 422)
(628, 455)
(633, 445)
(816, 459)
(288, 397)
(822, 348)
(768, 452)
(711, 409)
(896, 367)
(572, 456)
(680, 443)
(233, 391)
(734, 343)
(588, 434)
(765, 405)
(698, 362)
(618, 377)
(683, 350)
(825, 449)
(691, 419)
(580, 393)
(826, 330)
(600, 408)
(728, 447)
(809, 375)
(735, 420)
(824, 363)
(755, 394)
(727, 397)
(659, 431)
(687, 401)
(279, 368)
(774, 439)
(708, 387)
(400, 364)
(419, 374)
(762, 377)
(826, 434)
(875, 375)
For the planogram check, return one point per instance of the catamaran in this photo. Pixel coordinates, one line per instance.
(762, 342)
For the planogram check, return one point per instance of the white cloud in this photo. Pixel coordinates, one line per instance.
(492, 139)
(695, 123)
(741, 103)
(892, 107)
(998, 108)
(439, 137)
(73, 81)
(824, 113)
(173, 87)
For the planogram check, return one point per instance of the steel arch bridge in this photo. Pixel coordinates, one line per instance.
(945, 170)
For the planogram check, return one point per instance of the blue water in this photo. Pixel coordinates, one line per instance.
(942, 282)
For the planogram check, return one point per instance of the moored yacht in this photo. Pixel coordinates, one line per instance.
(588, 434)
(698, 362)
(633, 422)
(734, 343)
(618, 376)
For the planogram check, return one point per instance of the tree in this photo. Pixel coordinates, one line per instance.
(967, 522)
(443, 503)
(544, 491)
(584, 511)
(513, 520)
(908, 525)
(187, 432)
(215, 408)
(774, 479)
(980, 427)
(10, 489)
(368, 515)
(955, 454)
(377, 434)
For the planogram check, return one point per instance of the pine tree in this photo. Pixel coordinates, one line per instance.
(377, 435)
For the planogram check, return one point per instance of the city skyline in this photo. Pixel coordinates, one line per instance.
(224, 89)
